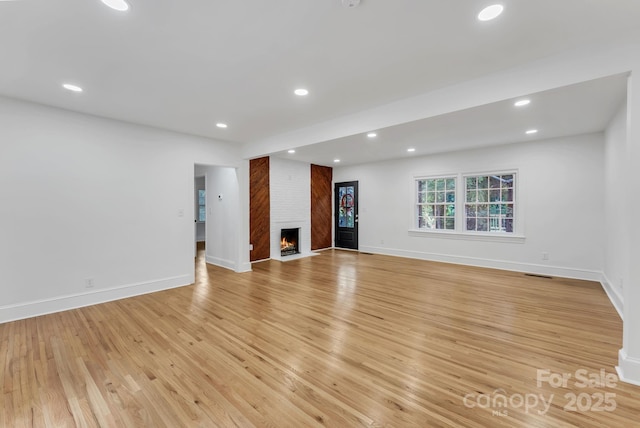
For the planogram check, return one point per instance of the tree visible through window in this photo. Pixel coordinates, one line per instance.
(436, 198)
(483, 203)
(489, 203)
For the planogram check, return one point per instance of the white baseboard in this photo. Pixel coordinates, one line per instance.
(228, 264)
(614, 296)
(628, 368)
(563, 272)
(244, 267)
(64, 303)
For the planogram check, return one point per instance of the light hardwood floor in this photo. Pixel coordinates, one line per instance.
(341, 339)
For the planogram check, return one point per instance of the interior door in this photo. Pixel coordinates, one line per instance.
(346, 215)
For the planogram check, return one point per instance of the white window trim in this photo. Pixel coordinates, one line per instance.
(415, 202)
(517, 236)
(516, 205)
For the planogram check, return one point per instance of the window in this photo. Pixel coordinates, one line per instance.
(468, 206)
(435, 203)
(202, 209)
(489, 203)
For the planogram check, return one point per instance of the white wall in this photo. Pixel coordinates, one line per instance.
(560, 204)
(616, 261)
(84, 197)
(629, 355)
(290, 197)
(223, 210)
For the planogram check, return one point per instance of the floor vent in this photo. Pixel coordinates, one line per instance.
(538, 276)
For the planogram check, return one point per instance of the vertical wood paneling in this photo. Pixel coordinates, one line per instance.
(321, 177)
(259, 209)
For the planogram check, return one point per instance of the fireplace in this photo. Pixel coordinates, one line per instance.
(289, 242)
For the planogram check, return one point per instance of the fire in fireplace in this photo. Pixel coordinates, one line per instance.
(289, 242)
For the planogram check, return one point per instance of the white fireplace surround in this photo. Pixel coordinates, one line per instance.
(304, 239)
(290, 195)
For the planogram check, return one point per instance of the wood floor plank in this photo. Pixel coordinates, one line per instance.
(342, 339)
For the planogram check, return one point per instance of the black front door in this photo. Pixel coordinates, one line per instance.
(346, 214)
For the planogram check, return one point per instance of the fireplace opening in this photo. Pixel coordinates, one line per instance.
(289, 243)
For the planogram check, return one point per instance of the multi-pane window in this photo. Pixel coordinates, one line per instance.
(489, 203)
(436, 199)
(202, 207)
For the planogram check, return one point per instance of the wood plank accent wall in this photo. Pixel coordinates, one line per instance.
(321, 210)
(259, 209)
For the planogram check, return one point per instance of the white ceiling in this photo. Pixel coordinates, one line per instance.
(570, 110)
(185, 65)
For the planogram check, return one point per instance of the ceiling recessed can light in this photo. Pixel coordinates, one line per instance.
(490, 12)
(372, 135)
(532, 131)
(119, 5)
(291, 151)
(411, 149)
(221, 125)
(336, 160)
(522, 102)
(350, 3)
(72, 88)
(301, 92)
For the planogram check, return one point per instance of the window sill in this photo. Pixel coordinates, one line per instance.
(487, 237)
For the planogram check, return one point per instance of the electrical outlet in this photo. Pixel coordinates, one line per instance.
(545, 256)
(250, 247)
(88, 283)
(382, 241)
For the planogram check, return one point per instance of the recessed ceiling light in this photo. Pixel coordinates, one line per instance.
(350, 3)
(291, 151)
(119, 5)
(411, 149)
(532, 131)
(301, 92)
(336, 160)
(72, 88)
(522, 102)
(490, 12)
(372, 135)
(221, 125)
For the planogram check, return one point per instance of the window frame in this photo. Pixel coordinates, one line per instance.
(514, 202)
(417, 203)
(460, 232)
(200, 206)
